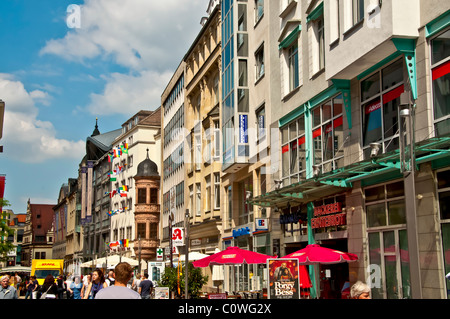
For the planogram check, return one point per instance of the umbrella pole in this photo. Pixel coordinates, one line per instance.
(311, 240)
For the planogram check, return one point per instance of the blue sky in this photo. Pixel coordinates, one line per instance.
(56, 80)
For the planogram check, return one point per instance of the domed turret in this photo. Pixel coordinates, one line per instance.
(147, 168)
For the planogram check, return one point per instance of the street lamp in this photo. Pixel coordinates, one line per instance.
(186, 253)
(406, 119)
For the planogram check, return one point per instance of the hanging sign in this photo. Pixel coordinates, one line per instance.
(178, 236)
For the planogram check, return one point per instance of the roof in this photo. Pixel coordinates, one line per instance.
(153, 119)
(98, 145)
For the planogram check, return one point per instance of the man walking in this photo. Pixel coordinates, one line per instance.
(123, 273)
(110, 280)
(7, 291)
(145, 287)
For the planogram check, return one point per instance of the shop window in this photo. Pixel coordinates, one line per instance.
(443, 179)
(328, 133)
(388, 246)
(380, 99)
(440, 60)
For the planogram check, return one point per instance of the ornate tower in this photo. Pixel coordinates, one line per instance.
(147, 209)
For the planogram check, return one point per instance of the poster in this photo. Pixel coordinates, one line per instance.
(283, 278)
(161, 292)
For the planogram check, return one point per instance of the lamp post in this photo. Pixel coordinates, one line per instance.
(170, 239)
(406, 118)
(186, 253)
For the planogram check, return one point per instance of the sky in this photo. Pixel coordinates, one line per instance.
(64, 63)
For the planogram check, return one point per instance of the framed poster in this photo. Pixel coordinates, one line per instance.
(283, 278)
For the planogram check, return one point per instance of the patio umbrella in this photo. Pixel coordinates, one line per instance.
(16, 268)
(232, 256)
(112, 262)
(193, 256)
(316, 254)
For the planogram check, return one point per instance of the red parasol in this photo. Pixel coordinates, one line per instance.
(315, 254)
(232, 256)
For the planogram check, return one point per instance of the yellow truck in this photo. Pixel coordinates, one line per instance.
(43, 267)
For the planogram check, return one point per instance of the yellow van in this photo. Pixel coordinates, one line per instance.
(43, 267)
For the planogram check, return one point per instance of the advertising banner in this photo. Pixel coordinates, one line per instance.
(283, 278)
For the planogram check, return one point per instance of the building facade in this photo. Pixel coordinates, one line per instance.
(173, 157)
(94, 192)
(38, 235)
(139, 134)
(357, 77)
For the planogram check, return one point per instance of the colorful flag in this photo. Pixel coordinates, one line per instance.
(125, 242)
(112, 176)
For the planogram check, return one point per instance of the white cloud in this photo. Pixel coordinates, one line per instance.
(149, 38)
(25, 137)
(140, 35)
(127, 94)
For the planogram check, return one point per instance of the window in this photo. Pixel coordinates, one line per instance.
(259, 10)
(440, 61)
(229, 207)
(321, 42)
(153, 196)
(216, 190)
(293, 151)
(216, 140)
(259, 57)
(293, 67)
(357, 11)
(328, 134)
(153, 231)
(261, 121)
(198, 199)
(380, 98)
(388, 246)
(208, 193)
(141, 230)
(142, 196)
(246, 210)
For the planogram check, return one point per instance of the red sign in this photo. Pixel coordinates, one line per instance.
(328, 215)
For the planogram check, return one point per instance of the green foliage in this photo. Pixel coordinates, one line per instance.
(195, 280)
(5, 231)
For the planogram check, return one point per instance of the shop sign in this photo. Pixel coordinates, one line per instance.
(328, 215)
(241, 231)
(261, 224)
(178, 236)
(290, 218)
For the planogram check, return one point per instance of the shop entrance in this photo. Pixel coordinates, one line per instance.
(333, 277)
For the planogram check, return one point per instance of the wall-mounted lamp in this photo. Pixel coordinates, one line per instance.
(316, 171)
(374, 149)
(278, 183)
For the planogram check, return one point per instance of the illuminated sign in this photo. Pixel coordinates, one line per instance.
(328, 215)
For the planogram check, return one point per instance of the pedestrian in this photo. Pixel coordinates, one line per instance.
(145, 287)
(49, 289)
(97, 283)
(137, 281)
(31, 287)
(123, 273)
(360, 291)
(7, 291)
(75, 288)
(86, 281)
(61, 287)
(110, 279)
(18, 280)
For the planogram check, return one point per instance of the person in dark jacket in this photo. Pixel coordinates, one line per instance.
(49, 286)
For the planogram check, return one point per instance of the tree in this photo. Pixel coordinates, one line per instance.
(5, 245)
(195, 281)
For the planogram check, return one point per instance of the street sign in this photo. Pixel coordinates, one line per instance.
(177, 236)
(159, 254)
